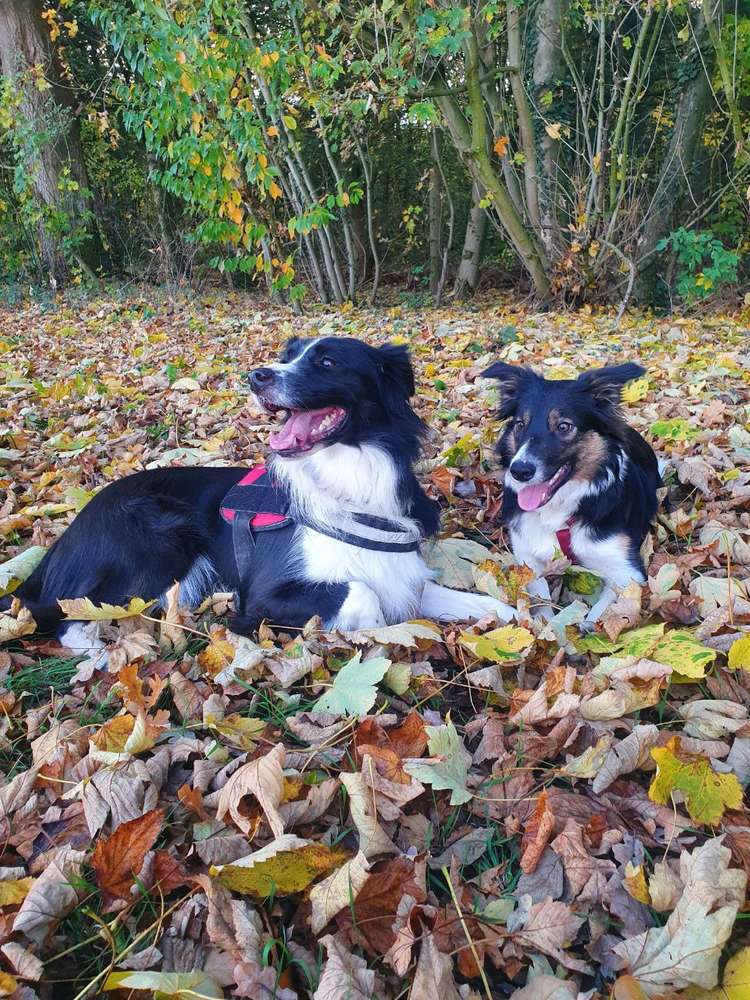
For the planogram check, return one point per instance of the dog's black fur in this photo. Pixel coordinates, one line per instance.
(570, 436)
(141, 534)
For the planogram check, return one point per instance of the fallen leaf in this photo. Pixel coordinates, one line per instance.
(286, 865)
(706, 793)
(262, 778)
(686, 950)
(501, 645)
(344, 975)
(51, 897)
(118, 859)
(337, 891)
(83, 609)
(433, 976)
(372, 838)
(353, 690)
(25, 964)
(16, 570)
(536, 835)
(739, 654)
(166, 985)
(449, 766)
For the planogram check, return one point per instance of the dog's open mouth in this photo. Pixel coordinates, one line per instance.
(303, 429)
(533, 497)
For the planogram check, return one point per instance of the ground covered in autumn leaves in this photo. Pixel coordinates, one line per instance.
(467, 813)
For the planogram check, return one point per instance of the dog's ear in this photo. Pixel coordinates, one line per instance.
(512, 379)
(395, 364)
(605, 385)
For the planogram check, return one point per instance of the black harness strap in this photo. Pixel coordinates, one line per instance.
(256, 504)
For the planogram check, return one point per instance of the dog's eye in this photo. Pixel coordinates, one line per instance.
(327, 363)
(565, 427)
(519, 425)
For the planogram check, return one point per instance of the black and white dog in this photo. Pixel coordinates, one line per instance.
(332, 528)
(578, 479)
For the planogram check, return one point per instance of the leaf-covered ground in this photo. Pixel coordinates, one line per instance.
(471, 812)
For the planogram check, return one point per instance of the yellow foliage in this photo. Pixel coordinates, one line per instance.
(707, 794)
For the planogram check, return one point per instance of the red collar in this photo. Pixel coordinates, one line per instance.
(565, 542)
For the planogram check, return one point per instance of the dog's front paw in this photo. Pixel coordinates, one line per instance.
(361, 609)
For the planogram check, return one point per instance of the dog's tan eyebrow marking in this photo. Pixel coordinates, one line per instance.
(553, 418)
(590, 452)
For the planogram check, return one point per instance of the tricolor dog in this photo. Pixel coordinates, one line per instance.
(332, 527)
(578, 479)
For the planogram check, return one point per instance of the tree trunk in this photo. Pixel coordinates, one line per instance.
(689, 117)
(48, 131)
(436, 210)
(548, 68)
(471, 143)
(467, 278)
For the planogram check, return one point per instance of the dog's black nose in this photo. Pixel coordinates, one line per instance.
(523, 471)
(261, 377)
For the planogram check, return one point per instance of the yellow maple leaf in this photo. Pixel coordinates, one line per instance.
(707, 794)
(739, 654)
(286, 865)
(83, 609)
(636, 390)
(274, 190)
(273, 131)
(15, 891)
(501, 145)
(187, 84)
(499, 645)
(553, 131)
(216, 656)
(114, 734)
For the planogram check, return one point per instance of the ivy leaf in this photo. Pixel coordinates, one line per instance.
(353, 691)
(707, 794)
(449, 766)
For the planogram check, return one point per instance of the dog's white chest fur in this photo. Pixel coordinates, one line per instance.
(338, 477)
(533, 533)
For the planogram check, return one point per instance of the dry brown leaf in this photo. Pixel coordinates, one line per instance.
(626, 756)
(337, 891)
(549, 927)
(306, 810)
(344, 975)
(537, 832)
(433, 976)
(25, 964)
(686, 950)
(118, 859)
(373, 839)
(51, 897)
(262, 778)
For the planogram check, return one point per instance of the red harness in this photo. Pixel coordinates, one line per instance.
(268, 497)
(565, 542)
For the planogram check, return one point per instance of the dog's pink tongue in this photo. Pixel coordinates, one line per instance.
(531, 497)
(305, 428)
(295, 432)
